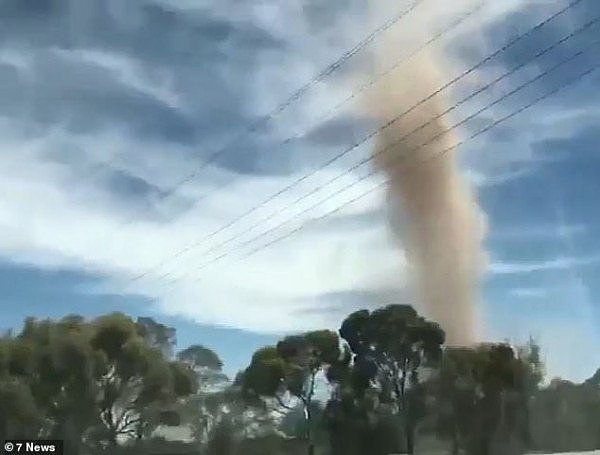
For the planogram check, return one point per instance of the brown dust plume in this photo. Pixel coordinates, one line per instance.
(432, 208)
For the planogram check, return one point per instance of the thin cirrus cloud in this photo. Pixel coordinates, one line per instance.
(556, 264)
(536, 293)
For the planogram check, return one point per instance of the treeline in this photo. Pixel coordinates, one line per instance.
(384, 383)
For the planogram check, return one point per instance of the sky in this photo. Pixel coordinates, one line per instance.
(132, 134)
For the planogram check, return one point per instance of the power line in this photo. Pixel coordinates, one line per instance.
(393, 67)
(569, 83)
(371, 135)
(415, 130)
(305, 177)
(331, 112)
(281, 107)
(408, 154)
(400, 159)
(300, 92)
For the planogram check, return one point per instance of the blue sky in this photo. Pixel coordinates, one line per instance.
(108, 106)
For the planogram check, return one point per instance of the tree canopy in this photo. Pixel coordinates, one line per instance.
(385, 383)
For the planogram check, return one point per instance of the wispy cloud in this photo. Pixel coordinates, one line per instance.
(556, 264)
(128, 72)
(549, 231)
(536, 293)
(483, 180)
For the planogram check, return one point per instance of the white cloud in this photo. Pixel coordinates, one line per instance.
(44, 221)
(535, 293)
(153, 82)
(559, 263)
(551, 231)
(17, 58)
(482, 180)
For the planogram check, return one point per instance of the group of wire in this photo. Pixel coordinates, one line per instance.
(266, 236)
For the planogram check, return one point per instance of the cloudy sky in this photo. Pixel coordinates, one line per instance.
(131, 139)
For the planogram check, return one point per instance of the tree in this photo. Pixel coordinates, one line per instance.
(19, 416)
(135, 382)
(206, 364)
(290, 369)
(482, 397)
(390, 346)
(157, 335)
(89, 382)
(206, 408)
(55, 362)
(566, 416)
(222, 440)
(456, 392)
(18, 410)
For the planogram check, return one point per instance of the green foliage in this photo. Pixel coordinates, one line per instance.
(390, 345)
(223, 440)
(184, 382)
(89, 383)
(566, 416)
(200, 357)
(482, 396)
(111, 333)
(138, 381)
(291, 368)
(157, 335)
(19, 415)
(265, 374)
(112, 385)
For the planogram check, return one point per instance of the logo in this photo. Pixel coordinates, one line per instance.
(33, 446)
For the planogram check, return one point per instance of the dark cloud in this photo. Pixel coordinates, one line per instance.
(10, 83)
(109, 187)
(581, 148)
(135, 195)
(339, 131)
(89, 98)
(321, 15)
(208, 61)
(121, 182)
(344, 302)
(517, 23)
(30, 9)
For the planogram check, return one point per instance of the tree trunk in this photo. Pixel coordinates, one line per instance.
(112, 436)
(408, 427)
(308, 414)
(308, 418)
(455, 446)
(410, 438)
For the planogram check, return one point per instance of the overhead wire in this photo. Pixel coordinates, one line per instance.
(192, 245)
(415, 130)
(300, 92)
(296, 95)
(391, 122)
(482, 131)
(409, 153)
